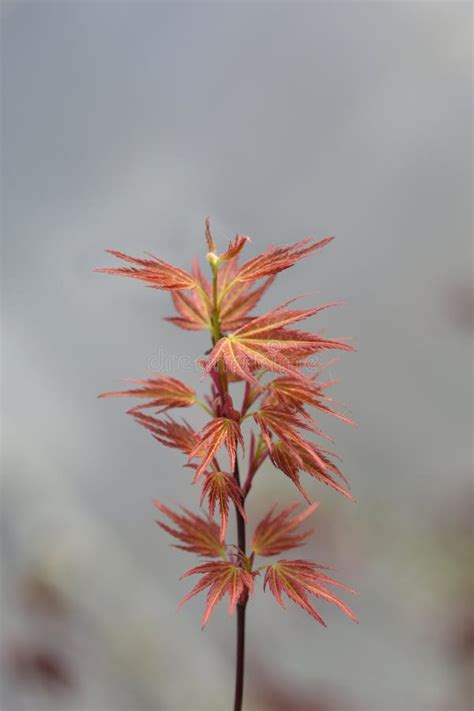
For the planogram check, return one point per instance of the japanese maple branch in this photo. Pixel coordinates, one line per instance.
(250, 347)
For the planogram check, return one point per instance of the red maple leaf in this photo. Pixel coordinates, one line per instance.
(220, 487)
(162, 392)
(274, 534)
(153, 271)
(296, 346)
(221, 577)
(219, 431)
(276, 259)
(167, 431)
(199, 534)
(264, 343)
(290, 392)
(291, 458)
(300, 578)
(283, 422)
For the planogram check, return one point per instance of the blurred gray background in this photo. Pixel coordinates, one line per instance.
(124, 125)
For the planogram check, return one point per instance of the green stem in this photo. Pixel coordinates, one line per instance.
(216, 326)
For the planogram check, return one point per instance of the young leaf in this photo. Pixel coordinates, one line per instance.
(264, 343)
(300, 578)
(154, 272)
(219, 487)
(283, 423)
(211, 245)
(293, 393)
(276, 259)
(278, 318)
(234, 248)
(169, 432)
(286, 459)
(274, 534)
(222, 577)
(162, 392)
(200, 535)
(291, 458)
(219, 431)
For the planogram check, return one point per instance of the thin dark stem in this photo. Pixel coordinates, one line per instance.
(241, 607)
(239, 670)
